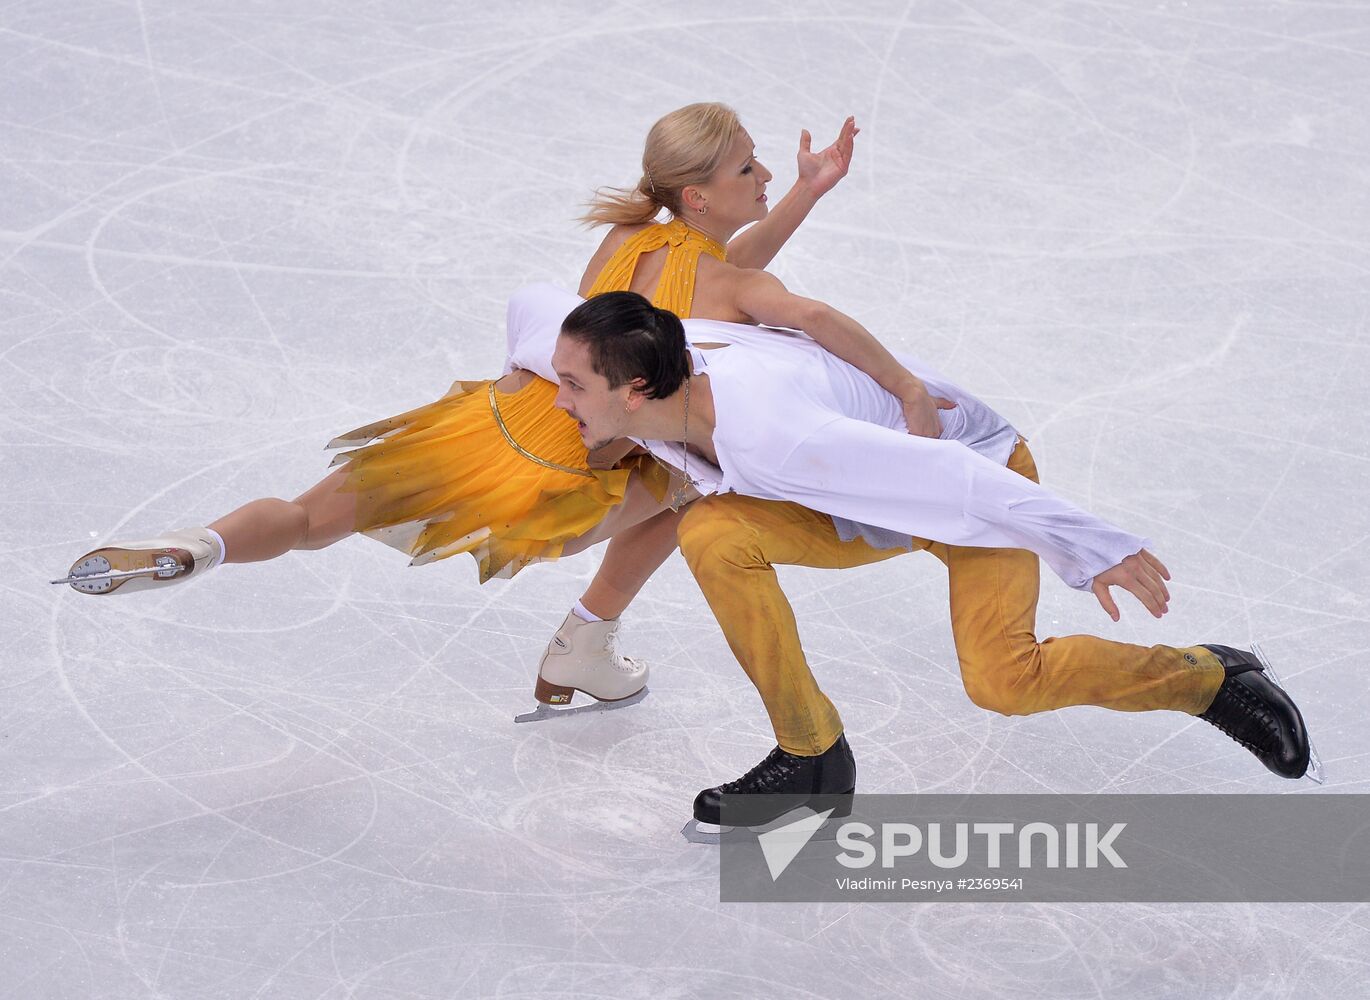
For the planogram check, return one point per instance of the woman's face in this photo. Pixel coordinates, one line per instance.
(736, 193)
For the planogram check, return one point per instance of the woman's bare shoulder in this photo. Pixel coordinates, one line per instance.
(718, 288)
(619, 235)
(719, 273)
(709, 264)
(613, 239)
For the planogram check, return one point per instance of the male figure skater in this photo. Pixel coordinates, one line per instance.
(767, 416)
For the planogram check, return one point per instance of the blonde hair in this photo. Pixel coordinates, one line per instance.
(683, 148)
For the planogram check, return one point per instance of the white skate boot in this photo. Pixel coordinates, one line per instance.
(153, 564)
(583, 656)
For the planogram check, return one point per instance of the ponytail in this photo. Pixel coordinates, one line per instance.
(685, 147)
(622, 206)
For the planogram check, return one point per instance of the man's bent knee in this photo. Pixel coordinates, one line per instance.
(1004, 686)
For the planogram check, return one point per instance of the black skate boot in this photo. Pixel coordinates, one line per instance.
(1256, 712)
(781, 782)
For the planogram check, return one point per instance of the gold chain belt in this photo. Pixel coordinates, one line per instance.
(499, 420)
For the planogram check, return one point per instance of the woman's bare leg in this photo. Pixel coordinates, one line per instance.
(265, 529)
(634, 554)
(638, 505)
(583, 654)
(642, 533)
(262, 529)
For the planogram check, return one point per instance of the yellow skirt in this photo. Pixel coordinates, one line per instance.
(502, 476)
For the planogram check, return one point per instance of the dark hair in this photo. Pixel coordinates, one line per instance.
(630, 339)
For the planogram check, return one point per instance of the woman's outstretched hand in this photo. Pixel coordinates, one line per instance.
(821, 171)
(1143, 576)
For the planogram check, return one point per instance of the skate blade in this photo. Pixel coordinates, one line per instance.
(107, 569)
(548, 712)
(1315, 773)
(696, 832)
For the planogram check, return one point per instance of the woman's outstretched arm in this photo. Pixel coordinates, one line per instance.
(818, 174)
(764, 298)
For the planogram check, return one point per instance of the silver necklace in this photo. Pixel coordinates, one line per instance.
(678, 498)
(681, 493)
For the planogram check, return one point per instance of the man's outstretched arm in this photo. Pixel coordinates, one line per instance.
(944, 491)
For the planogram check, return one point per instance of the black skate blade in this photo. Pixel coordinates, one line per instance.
(543, 712)
(696, 832)
(1315, 773)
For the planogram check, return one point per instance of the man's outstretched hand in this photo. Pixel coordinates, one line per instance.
(1141, 575)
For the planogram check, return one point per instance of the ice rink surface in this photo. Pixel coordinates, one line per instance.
(231, 231)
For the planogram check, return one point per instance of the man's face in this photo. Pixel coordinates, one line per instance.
(601, 412)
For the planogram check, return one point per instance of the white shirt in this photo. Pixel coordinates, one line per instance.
(794, 422)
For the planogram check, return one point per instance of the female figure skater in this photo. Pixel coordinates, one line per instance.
(494, 469)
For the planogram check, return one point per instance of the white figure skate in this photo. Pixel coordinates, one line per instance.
(156, 563)
(583, 656)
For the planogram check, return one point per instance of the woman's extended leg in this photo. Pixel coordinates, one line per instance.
(267, 528)
(262, 529)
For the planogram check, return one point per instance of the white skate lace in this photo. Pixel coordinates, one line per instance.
(623, 664)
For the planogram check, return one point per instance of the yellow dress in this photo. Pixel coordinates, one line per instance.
(503, 476)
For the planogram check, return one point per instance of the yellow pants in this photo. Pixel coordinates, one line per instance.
(732, 544)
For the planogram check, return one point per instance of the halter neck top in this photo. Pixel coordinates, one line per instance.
(676, 289)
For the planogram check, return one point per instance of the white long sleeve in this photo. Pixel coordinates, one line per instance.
(943, 491)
